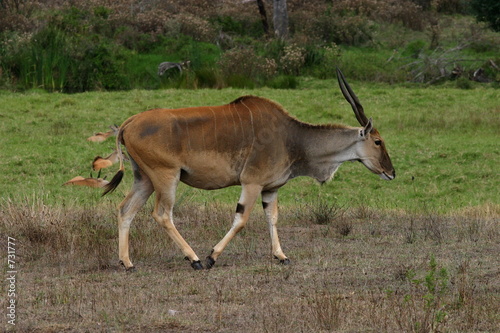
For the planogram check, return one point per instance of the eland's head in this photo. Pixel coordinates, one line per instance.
(371, 147)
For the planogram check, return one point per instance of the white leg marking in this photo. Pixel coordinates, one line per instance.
(163, 215)
(270, 204)
(247, 200)
(126, 212)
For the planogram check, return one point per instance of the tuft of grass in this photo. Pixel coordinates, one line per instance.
(324, 212)
(66, 236)
(326, 308)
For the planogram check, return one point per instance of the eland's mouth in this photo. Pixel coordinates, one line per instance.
(386, 176)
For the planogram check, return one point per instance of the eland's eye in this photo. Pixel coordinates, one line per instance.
(378, 142)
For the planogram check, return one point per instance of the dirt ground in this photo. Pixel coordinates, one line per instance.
(361, 270)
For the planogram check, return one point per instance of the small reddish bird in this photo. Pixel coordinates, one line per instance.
(90, 182)
(101, 136)
(104, 162)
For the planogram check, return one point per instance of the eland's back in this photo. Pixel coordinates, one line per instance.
(213, 147)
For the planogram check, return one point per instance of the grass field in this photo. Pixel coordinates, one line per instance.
(417, 254)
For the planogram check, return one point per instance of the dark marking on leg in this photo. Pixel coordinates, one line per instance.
(123, 210)
(240, 209)
(137, 175)
(135, 167)
(265, 204)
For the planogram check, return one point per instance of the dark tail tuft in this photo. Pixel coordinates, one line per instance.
(113, 184)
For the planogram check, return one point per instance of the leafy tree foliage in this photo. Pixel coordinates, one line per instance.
(487, 11)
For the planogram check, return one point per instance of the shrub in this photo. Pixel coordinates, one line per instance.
(292, 60)
(238, 61)
(17, 15)
(349, 30)
(283, 82)
(403, 12)
(452, 6)
(414, 48)
(45, 61)
(196, 27)
(97, 66)
(206, 77)
(242, 67)
(329, 59)
(487, 11)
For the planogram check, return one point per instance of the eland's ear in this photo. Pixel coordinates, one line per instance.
(368, 128)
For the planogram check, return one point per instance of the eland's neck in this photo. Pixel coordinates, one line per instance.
(321, 150)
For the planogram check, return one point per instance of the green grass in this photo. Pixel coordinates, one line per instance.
(443, 142)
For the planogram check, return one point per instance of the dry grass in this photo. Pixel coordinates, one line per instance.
(372, 278)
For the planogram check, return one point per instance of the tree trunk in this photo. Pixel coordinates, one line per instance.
(280, 19)
(263, 16)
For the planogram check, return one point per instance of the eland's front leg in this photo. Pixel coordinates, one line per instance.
(270, 205)
(249, 194)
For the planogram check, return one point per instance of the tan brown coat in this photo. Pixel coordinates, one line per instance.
(252, 142)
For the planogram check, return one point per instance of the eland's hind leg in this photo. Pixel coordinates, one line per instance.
(270, 205)
(136, 198)
(249, 194)
(165, 199)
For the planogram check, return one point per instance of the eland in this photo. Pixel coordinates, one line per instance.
(252, 142)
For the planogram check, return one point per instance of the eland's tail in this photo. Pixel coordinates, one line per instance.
(117, 178)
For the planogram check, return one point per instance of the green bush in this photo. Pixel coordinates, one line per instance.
(414, 48)
(206, 77)
(56, 61)
(328, 59)
(347, 30)
(242, 67)
(45, 62)
(98, 66)
(487, 11)
(283, 82)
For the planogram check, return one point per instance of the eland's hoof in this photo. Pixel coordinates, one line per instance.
(285, 262)
(210, 262)
(127, 269)
(197, 265)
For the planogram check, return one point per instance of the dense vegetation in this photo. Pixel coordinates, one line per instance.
(116, 45)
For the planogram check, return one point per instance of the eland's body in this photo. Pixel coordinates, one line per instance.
(252, 142)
